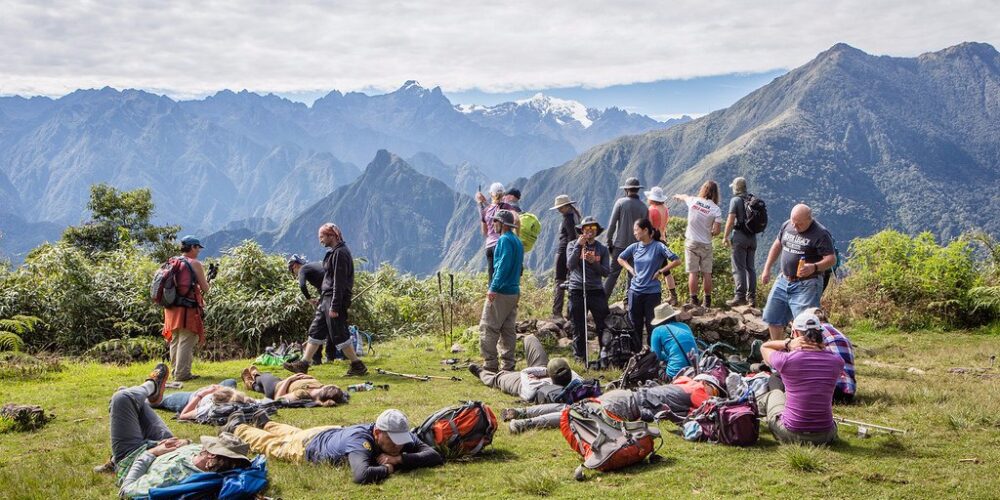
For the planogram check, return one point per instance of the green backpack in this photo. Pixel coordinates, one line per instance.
(530, 227)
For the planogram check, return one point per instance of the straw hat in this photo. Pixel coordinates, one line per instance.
(662, 313)
(561, 201)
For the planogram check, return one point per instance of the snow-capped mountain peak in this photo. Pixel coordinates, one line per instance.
(561, 109)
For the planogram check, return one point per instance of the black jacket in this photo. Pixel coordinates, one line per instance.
(311, 274)
(338, 278)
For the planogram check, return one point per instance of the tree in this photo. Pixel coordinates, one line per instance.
(121, 219)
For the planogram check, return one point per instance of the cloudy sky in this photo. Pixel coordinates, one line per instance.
(476, 51)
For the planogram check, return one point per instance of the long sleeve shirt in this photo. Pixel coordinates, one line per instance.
(595, 270)
(149, 471)
(627, 210)
(508, 257)
(311, 274)
(567, 231)
(356, 444)
(338, 278)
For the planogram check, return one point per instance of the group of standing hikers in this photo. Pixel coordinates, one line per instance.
(797, 378)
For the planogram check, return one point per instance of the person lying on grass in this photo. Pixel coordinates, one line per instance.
(198, 404)
(799, 403)
(534, 383)
(147, 455)
(374, 451)
(680, 397)
(298, 387)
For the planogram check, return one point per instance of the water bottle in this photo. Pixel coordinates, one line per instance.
(802, 263)
(367, 386)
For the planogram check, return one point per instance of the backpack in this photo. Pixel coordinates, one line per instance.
(605, 441)
(641, 367)
(756, 214)
(235, 484)
(530, 228)
(576, 390)
(358, 340)
(617, 349)
(732, 422)
(459, 430)
(173, 284)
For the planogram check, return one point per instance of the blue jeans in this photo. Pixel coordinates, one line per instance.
(176, 401)
(789, 298)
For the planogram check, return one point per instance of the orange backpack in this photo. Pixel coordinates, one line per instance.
(604, 440)
(459, 430)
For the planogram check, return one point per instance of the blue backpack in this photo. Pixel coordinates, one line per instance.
(358, 340)
(236, 484)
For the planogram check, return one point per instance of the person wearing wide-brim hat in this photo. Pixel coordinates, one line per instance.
(672, 340)
(567, 233)
(626, 211)
(588, 261)
(659, 215)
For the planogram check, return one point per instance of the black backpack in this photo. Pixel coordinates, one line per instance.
(756, 214)
(642, 367)
(616, 350)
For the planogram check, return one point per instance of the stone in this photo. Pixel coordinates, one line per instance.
(755, 326)
(456, 347)
(618, 309)
(741, 309)
(564, 342)
(684, 316)
(709, 336)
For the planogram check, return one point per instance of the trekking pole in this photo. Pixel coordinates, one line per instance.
(451, 309)
(864, 426)
(444, 326)
(422, 378)
(586, 340)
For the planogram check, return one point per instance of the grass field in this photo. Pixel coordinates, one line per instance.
(904, 382)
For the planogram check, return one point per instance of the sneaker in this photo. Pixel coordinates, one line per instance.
(105, 468)
(259, 419)
(300, 366)
(475, 369)
(517, 426)
(508, 414)
(738, 301)
(358, 369)
(235, 419)
(247, 376)
(159, 377)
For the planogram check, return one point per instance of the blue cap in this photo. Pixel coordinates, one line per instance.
(191, 241)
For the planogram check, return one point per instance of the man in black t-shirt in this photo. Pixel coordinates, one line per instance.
(744, 245)
(806, 251)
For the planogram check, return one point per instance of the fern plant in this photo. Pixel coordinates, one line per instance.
(13, 329)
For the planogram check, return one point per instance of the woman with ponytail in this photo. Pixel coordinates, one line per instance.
(650, 259)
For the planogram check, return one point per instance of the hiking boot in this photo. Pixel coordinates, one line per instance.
(737, 301)
(248, 377)
(358, 369)
(475, 369)
(694, 301)
(673, 298)
(508, 414)
(517, 426)
(105, 468)
(235, 419)
(259, 419)
(159, 377)
(300, 366)
(708, 301)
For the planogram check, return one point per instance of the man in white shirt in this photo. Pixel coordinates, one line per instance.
(704, 221)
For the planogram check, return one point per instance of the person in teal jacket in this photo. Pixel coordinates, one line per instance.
(497, 336)
(672, 341)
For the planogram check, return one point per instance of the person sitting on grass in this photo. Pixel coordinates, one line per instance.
(835, 341)
(533, 383)
(672, 341)
(147, 455)
(298, 387)
(679, 397)
(798, 405)
(374, 451)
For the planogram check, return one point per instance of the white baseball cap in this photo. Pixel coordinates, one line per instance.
(806, 321)
(394, 423)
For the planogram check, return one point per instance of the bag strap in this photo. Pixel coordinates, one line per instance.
(687, 356)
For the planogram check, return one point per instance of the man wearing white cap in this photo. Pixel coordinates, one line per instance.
(374, 451)
(567, 233)
(799, 403)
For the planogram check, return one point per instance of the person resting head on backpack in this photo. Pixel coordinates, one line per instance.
(799, 403)
(542, 377)
(298, 387)
(373, 450)
(201, 403)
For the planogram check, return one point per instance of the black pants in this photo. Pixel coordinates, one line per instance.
(559, 294)
(265, 383)
(319, 329)
(616, 269)
(640, 311)
(597, 304)
(489, 264)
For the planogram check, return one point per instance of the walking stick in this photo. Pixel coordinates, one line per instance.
(864, 426)
(451, 308)
(586, 340)
(422, 378)
(444, 326)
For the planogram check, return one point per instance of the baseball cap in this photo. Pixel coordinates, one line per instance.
(516, 193)
(394, 423)
(559, 371)
(806, 321)
(191, 241)
(496, 189)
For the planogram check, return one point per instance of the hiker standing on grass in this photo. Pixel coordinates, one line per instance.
(567, 233)
(487, 214)
(650, 258)
(799, 403)
(659, 215)
(704, 221)
(337, 291)
(744, 245)
(311, 273)
(627, 210)
(806, 251)
(496, 327)
(587, 255)
(183, 325)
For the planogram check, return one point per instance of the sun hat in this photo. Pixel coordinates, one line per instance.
(589, 221)
(656, 194)
(226, 445)
(711, 380)
(662, 313)
(394, 423)
(562, 200)
(631, 183)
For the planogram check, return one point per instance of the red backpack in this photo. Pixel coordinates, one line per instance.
(459, 430)
(173, 284)
(604, 440)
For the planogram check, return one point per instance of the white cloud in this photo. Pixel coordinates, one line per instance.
(190, 48)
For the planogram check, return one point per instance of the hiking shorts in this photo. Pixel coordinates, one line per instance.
(324, 327)
(698, 258)
(789, 298)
